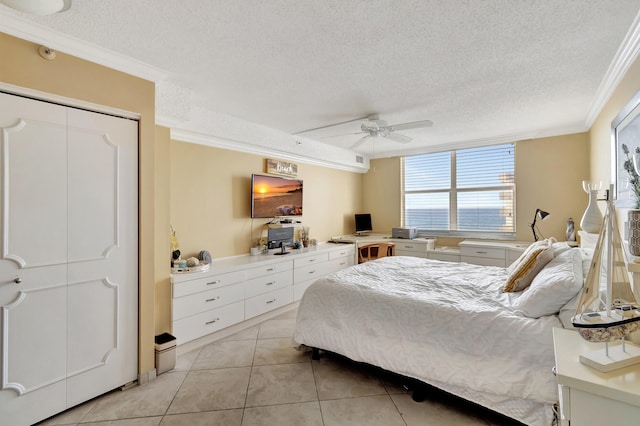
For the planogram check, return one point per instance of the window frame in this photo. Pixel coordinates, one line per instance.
(453, 192)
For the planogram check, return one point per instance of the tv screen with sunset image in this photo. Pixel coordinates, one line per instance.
(273, 196)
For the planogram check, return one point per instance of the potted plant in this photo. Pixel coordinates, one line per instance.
(304, 236)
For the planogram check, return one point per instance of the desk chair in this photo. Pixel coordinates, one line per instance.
(374, 251)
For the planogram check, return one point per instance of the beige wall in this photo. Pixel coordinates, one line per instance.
(78, 79)
(210, 199)
(162, 226)
(600, 134)
(549, 174)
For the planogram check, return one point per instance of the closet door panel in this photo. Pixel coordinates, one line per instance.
(33, 320)
(33, 271)
(35, 352)
(34, 183)
(102, 270)
(93, 184)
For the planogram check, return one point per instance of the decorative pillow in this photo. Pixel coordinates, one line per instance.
(560, 247)
(525, 268)
(553, 287)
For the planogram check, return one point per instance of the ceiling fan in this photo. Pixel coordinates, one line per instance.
(373, 127)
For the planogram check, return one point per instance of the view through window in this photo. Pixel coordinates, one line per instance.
(466, 192)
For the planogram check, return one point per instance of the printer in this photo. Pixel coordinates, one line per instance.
(408, 233)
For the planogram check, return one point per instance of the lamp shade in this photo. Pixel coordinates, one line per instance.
(38, 7)
(542, 214)
(539, 214)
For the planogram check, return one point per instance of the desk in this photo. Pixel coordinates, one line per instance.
(488, 253)
(417, 247)
(588, 396)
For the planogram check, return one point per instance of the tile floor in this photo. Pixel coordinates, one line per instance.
(255, 377)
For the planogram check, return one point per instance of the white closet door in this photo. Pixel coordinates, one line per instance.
(33, 173)
(103, 254)
(68, 274)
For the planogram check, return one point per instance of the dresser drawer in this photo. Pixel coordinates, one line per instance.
(310, 260)
(206, 283)
(485, 261)
(411, 253)
(493, 253)
(205, 300)
(268, 283)
(348, 251)
(416, 248)
(310, 272)
(300, 288)
(271, 268)
(338, 264)
(513, 255)
(444, 256)
(195, 326)
(266, 302)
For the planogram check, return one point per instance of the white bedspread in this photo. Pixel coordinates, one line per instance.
(434, 321)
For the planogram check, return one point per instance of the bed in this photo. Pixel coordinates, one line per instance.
(452, 325)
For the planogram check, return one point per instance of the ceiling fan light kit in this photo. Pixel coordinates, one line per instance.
(374, 127)
(38, 7)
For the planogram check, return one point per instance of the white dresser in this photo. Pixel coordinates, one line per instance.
(417, 247)
(491, 253)
(239, 288)
(588, 396)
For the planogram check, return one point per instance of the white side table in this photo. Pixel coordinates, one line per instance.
(588, 396)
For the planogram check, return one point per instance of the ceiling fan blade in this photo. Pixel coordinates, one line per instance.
(412, 125)
(330, 125)
(396, 137)
(338, 136)
(359, 141)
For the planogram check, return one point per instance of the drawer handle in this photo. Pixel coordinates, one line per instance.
(212, 321)
(271, 301)
(482, 252)
(213, 299)
(408, 247)
(312, 260)
(270, 283)
(312, 272)
(342, 253)
(269, 269)
(343, 263)
(214, 282)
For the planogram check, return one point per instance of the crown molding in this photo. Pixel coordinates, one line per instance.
(625, 56)
(22, 28)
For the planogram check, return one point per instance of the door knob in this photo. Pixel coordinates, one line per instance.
(17, 280)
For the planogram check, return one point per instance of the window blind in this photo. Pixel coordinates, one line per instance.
(467, 192)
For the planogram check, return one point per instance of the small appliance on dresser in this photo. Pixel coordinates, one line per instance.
(408, 233)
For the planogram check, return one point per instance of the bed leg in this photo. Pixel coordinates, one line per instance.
(315, 354)
(419, 390)
(419, 395)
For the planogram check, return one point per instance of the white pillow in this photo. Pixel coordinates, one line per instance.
(553, 287)
(560, 247)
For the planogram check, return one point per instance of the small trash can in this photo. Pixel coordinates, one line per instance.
(165, 352)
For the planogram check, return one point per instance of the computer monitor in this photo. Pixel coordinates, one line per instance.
(277, 236)
(363, 223)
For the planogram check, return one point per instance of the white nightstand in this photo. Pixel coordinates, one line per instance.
(587, 396)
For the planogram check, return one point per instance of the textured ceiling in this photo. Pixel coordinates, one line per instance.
(495, 70)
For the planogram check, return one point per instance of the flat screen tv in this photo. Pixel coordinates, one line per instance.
(273, 196)
(363, 223)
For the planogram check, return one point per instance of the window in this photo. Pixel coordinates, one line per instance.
(462, 193)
